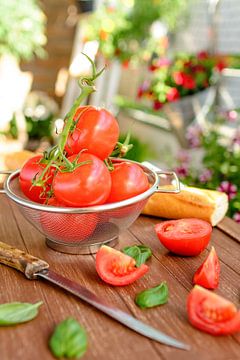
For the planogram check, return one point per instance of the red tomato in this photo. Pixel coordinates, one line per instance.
(96, 130)
(87, 185)
(128, 180)
(29, 171)
(187, 237)
(212, 313)
(116, 268)
(67, 227)
(208, 273)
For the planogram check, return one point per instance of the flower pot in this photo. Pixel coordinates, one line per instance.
(85, 5)
(181, 113)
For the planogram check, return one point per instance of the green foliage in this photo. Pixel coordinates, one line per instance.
(22, 25)
(140, 253)
(220, 164)
(16, 312)
(69, 340)
(123, 29)
(139, 152)
(155, 296)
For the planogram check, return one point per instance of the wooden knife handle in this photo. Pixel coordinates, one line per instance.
(21, 261)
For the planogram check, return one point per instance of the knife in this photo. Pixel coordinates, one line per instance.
(35, 268)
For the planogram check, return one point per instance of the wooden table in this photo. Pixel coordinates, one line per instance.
(109, 340)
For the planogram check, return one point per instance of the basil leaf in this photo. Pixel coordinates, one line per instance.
(68, 340)
(155, 296)
(138, 252)
(18, 312)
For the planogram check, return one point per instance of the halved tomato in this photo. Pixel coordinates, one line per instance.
(212, 313)
(208, 273)
(116, 268)
(187, 237)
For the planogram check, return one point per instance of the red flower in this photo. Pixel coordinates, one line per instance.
(202, 55)
(157, 105)
(221, 64)
(178, 77)
(125, 64)
(188, 82)
(173, 94)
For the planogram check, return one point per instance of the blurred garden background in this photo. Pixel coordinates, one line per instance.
(172, 79)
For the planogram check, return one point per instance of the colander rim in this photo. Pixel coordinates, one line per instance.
(90, 209)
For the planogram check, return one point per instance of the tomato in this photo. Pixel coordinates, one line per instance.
(187, 237)
(212, 313)
(67, 227)
(96, 130)
(116, 268)
(87, 185)
(208, 273)
(128, 180)
(31, 169)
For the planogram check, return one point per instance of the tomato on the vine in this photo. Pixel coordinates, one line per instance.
(128, 180)
(116, 268)
(67, 227)
(87, 185)
(32, 169)
(96, 130)
(187, 237)
(208, 273)
(212, 313)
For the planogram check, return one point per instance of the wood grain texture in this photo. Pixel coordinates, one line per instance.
(109, 340)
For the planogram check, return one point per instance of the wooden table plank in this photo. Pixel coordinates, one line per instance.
(107, 339)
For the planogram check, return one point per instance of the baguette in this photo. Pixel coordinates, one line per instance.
(208, 205)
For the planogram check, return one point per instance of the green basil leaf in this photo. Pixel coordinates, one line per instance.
(138, 252)
(68, 340)
(155, 296)
(18, 312)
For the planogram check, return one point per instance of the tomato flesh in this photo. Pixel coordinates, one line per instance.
(212, 313)
(208, 273)
(31, 169)
(96, 130)
(116, 268)
(128, 180)
(187, 237)
(87, 185)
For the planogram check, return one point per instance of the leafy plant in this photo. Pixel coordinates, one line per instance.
(16, 312)
(183, 75)
(219, 167)
(68, 340)
(22, 25)
(123, 30)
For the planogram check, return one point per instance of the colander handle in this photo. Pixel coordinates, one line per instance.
(4, 172)
(159, 172)
(173, 175)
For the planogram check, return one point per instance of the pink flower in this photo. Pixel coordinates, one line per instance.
(182, 171)
(173, 94)
(236, 217)
(206, 175)
(232, 115)
(236, 138)
(159, 63)
(193, 136)
(157, 105)
(183, 156)
(229, 188)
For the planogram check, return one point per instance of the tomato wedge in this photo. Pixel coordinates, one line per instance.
(212, 313)
(208, 273)
(116, 268)
(187, 237)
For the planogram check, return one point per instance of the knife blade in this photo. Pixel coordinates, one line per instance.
(35, 268)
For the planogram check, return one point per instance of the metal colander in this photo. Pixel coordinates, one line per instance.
(84, 230)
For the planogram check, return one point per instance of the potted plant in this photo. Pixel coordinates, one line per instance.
(22, 25)
(181, 86)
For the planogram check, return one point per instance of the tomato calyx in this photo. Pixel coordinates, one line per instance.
(121, 149)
